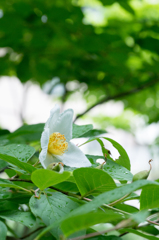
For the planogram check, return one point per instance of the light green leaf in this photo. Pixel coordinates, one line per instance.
(44, 178)
(139, 216)
(7, 183)
(91, 180)
(25, 218)
(78, 131)
(76, 223)
(26, 166)
(52, 208)
(3, 231)
(20, 151)
(111, 196)
(115, 170)
(149, 197)
(139, 233)
(123, 159)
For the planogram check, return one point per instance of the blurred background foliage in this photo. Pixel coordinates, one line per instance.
(106, 50)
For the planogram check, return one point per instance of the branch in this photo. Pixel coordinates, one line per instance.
(123, 94)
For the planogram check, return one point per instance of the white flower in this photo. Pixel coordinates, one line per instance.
(55, 141)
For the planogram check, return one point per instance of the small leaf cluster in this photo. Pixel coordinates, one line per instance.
(37, 203)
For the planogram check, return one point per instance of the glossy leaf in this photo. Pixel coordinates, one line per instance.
(123, 159)
(78, 131)
(25, 218)
(91, 180)
(28, 133)
(52, 208)
(115, 170)
(44, 178)
(19, 151)
(76, 223)
(7, 183)
(26, 166)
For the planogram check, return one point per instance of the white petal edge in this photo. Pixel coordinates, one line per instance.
(64, 124)
(48, 160)
(54, 115)
(74, 157)
(45, 138)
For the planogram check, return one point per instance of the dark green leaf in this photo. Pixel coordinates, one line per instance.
(139, 233)
(78, 131)
(91, 180)
(25, 218)
(123, 160)
(26, 166)
(29, 133)
(20, 151)
(93, 133)
(7, 183)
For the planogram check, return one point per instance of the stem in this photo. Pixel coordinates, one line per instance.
(29, 234)
(109, 207)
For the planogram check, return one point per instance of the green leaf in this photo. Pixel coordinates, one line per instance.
(115, 170)
(52, 208)
(111, 237)
(91, 180)
(29, 133)
(20, 151)
(123, 159)
(111, 196)
(3, 164)
(139, 216)
(76, 223)
(78, 131)
(26, 166)
(25, 218)
(67, 186)
(93, 133)
(7, 183)
(149, 197)
(44, 178)
(139, 233)
(3, 231)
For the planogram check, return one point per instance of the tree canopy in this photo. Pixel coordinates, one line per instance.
(111, 46)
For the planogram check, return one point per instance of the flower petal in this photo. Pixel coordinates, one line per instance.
(54, 115)
(64, 124)
(45, 138)
(74, 157)
(49, 158)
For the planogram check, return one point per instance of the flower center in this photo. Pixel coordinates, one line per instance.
(57, 144)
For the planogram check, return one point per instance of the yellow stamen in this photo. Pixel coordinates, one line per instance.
(57, 144)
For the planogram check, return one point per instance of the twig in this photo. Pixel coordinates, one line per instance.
(122, 224)
(105, 99)
(29, 234)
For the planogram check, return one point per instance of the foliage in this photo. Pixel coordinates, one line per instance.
(68, 205)
(112, 58)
